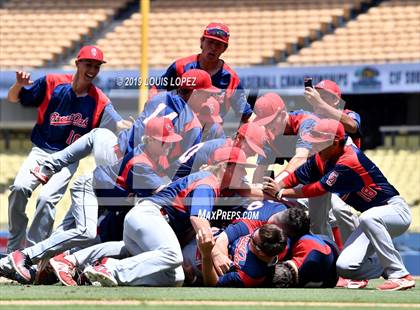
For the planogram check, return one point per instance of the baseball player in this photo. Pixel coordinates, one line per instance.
(250, 138)
(176, 212)
(213, 44)
(69, 106)
(310, 260)
(253, 257)
(137, 176)
(344, 169)
(211, 120)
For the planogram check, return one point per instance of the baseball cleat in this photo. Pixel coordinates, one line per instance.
(42, 173)
(100, 273)
(21, 263)
(6, 268)
(64, 270)
(400, 284)
(352, 284)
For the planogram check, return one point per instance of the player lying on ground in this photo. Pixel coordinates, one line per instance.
(344, 169)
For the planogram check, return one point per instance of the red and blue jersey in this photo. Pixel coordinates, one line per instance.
(354, 177)
(247, 270)
(136, 174)
(198, 155)
(357, 136)
(315, 260)
(284, 145)
(226, 79)
(62, 115)
(253, 216)
(173, 107)
(193, 195)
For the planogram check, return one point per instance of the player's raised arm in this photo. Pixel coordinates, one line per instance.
(22, 79)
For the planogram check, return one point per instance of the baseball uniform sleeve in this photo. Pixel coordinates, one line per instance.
(230, 279)
(33, 95)
(308, 172)
(239, 103)
(169, 78)
(144, 180)
(110, 117)
(236, 230)
(304, 127)
(356, 117)
(202, 200)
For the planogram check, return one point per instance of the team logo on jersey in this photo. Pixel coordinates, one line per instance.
(75, 119)
(93, 51)
(367, 193)
(332, 178)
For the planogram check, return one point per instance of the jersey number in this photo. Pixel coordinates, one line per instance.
(72, 137)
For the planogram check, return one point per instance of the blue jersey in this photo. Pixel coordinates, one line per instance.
(214, 132)
(173, 107)
(134, 175)
(226, 79)
(253, 216)
(356, 179)
(198, 155)
(284, 145)
(247, 270)
(356, 137)
(315, 260)
(193, 195)
(63, 117)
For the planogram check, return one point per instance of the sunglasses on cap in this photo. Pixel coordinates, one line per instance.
(216, 32)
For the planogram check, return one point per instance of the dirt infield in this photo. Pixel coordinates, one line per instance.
(203, 303)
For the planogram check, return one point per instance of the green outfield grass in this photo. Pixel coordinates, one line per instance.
(13, 296)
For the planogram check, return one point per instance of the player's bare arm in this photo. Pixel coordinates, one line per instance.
(205, 242)
(221, 260)
(22, 79)
(322, 107)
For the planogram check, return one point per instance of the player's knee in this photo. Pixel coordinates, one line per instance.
(346, 267)
(20, 188)
(366, 221)
(43, 200)
(174, 256)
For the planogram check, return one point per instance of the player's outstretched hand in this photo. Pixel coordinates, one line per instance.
(270, 187)
(23, 78)
(205, 241)
(124, 124)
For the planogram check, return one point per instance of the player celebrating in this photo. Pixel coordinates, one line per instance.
(213, 44)
(345, 170)
(114, 185)
(68, 107)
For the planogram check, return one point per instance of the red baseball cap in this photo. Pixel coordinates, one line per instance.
(330, 87)
(267, 108)
(91, 52)
(217, 31)
(162, 129)
(209, 111)
(254, 135)
(325, 130)
(230, 155)
(198, 79)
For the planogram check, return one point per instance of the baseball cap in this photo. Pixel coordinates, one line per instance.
(217, 31)
(209, 111)
(230, 155)
(198, 79)
(91, 52)
(325, 130)
(330, 87)
(267, 108)
(162, 129)
(254, 135)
